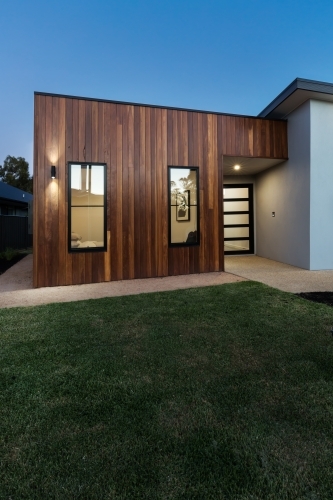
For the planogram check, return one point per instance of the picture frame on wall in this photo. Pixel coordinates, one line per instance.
(183, 206)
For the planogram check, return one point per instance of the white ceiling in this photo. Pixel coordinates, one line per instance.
(248, 166)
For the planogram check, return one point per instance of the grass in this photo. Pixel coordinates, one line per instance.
(212, 393)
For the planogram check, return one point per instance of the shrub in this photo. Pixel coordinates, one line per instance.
(9, 253)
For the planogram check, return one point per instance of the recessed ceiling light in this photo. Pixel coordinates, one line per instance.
(236, 167)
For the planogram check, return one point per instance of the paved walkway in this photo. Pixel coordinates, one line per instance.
(278, 275)
(16, 286)
(16, 283)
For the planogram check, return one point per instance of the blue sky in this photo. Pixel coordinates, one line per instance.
(231, 56)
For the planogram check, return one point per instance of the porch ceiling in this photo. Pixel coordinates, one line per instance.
(248, 166)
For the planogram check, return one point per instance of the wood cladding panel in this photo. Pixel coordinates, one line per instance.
(112, 185)
(62, 214)
(153, 219)
(220, 192)
(137, 143)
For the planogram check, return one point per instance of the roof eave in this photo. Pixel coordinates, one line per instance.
(299, 84)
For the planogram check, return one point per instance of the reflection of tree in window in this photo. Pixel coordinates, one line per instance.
(182, 201)
(174, 191)
(183, 184)
(186, 182)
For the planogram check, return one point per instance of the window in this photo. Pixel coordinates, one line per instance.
(87, 207)
(183, 206)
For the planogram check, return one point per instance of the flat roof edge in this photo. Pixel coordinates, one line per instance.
(172, 108)
(297, 84)
(280, 98)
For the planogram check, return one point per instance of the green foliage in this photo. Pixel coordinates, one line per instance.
(216, 393)
(9, 253)
(15, 172)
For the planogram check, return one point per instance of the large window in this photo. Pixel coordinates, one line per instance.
(183, 206)
(87, 207)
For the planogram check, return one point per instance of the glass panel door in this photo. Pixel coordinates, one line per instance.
(238, 218)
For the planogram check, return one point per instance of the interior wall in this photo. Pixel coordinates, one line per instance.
(88, 223)
(321, 196)
(285, 190)
(87, 219)
(180, 230)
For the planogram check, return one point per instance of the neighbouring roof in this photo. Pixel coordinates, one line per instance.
(8, 192)
(299, 91)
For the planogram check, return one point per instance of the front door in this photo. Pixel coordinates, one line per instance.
(238, 218)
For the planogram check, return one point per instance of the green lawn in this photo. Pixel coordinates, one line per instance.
(223, 392)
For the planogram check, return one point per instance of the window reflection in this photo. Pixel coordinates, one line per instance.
(87, 206)
(183, 199)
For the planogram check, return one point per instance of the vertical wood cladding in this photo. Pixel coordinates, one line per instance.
(137, 143)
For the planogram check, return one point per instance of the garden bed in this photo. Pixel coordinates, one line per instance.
(321, 297)
(6, 264)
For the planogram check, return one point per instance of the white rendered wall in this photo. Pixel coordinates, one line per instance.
(321, 194)
(285, 190)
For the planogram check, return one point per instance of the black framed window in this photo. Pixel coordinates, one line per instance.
(183, 185)
(87, 207)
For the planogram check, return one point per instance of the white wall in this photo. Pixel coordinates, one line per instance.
(321, 195)
(285, 190)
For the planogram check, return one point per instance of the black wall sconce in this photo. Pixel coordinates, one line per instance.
(53, 172)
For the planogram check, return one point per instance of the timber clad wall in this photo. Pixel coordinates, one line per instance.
(137, 143)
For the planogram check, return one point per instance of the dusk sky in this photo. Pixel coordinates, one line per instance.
(231, 56)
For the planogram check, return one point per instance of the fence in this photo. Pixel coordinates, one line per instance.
(14, 232)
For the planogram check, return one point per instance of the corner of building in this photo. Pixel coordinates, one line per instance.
(321, 185)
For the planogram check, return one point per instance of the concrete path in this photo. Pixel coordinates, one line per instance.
(16, 286)
(278, 275)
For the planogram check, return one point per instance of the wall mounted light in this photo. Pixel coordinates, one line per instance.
(53, 172)
(236, 167)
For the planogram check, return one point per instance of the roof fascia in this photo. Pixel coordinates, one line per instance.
(150, 105)
(297, 84)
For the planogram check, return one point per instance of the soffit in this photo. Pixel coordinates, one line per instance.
(248, 166)
(298, 92)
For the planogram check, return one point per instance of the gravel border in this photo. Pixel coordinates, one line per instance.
(16, 286)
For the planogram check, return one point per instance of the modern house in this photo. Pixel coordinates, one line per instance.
(126, 190)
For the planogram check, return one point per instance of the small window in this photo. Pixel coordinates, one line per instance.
(183, 206)
(87, 207)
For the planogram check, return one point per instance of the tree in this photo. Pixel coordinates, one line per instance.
(15, 172)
